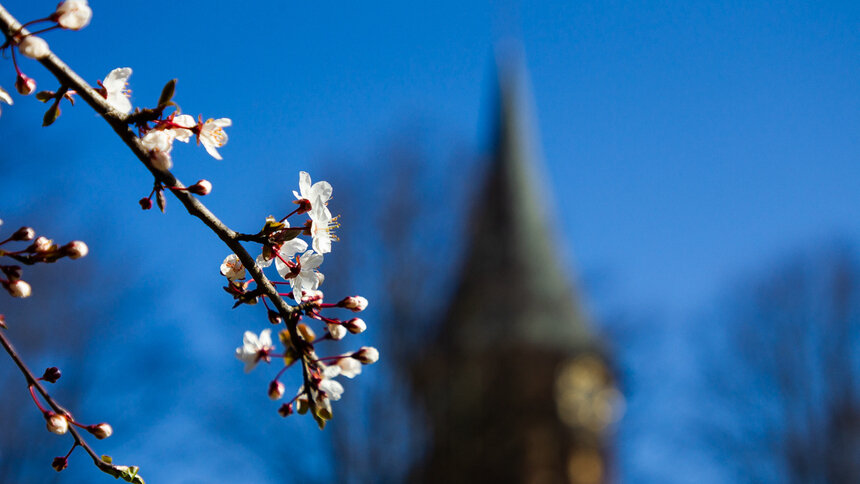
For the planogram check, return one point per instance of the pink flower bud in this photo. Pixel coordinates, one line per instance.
(354, 303)
(286, 410)
(145, 203)
(60, 463)
(56, 423)
(275, 317)
(18, 288)
(52, 374)
(355, 325)
(202, 187)
(276, 390)
(366, 355)
(34, 47)
(100, 431)
(75, 249)
(24, 233)
(25, 85)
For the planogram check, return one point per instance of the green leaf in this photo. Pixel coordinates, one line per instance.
(107, 459)
(167, 92)
(51, 115)
(45, 96)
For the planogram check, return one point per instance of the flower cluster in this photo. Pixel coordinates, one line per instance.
(41, 249)
(298, 264)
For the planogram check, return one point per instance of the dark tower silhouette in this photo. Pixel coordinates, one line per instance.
(515, 387)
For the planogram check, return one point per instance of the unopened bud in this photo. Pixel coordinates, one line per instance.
(202, 187)
(25, 85)
(60, 463)
(276, 390)
(24, 233)
(13, 273)
(52, 374)
(42, 244)
(2, 321)
(366, 355)
(100, 431)
(337, 331)
(145, 203)
(73, 14)
(33, 47)
(19, 288)
(355, 325)
(275, 317)
(75, 249)
(56, 423)
(354, 303)
(286, 410)
(306, 332)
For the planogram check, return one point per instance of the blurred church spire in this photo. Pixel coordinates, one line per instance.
(515, 387)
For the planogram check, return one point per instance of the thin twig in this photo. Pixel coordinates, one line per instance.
(32, 380)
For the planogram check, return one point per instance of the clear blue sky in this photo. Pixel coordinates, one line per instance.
(684, 141)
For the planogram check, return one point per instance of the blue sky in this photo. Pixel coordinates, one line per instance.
(684, 142)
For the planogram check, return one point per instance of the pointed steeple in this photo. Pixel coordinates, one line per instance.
(514, 287)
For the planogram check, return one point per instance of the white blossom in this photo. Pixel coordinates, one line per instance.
(308, 277)
(322, 226)
(34, 47)
(73, 14)
(186, 123)
(288, 250)
(212, 135)
(328, 385)
(159, 142)
(320, 190)
(255, 348)
(115, 89)
(232, 268)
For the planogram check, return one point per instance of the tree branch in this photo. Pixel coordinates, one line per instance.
(120, 124)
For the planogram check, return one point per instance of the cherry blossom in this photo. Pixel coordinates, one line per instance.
(114, 89)
(308, 277)
(212, 135)
(255, 348)
(232, 268)
(319, 192)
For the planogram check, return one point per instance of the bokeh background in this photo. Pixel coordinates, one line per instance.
(701, 165)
